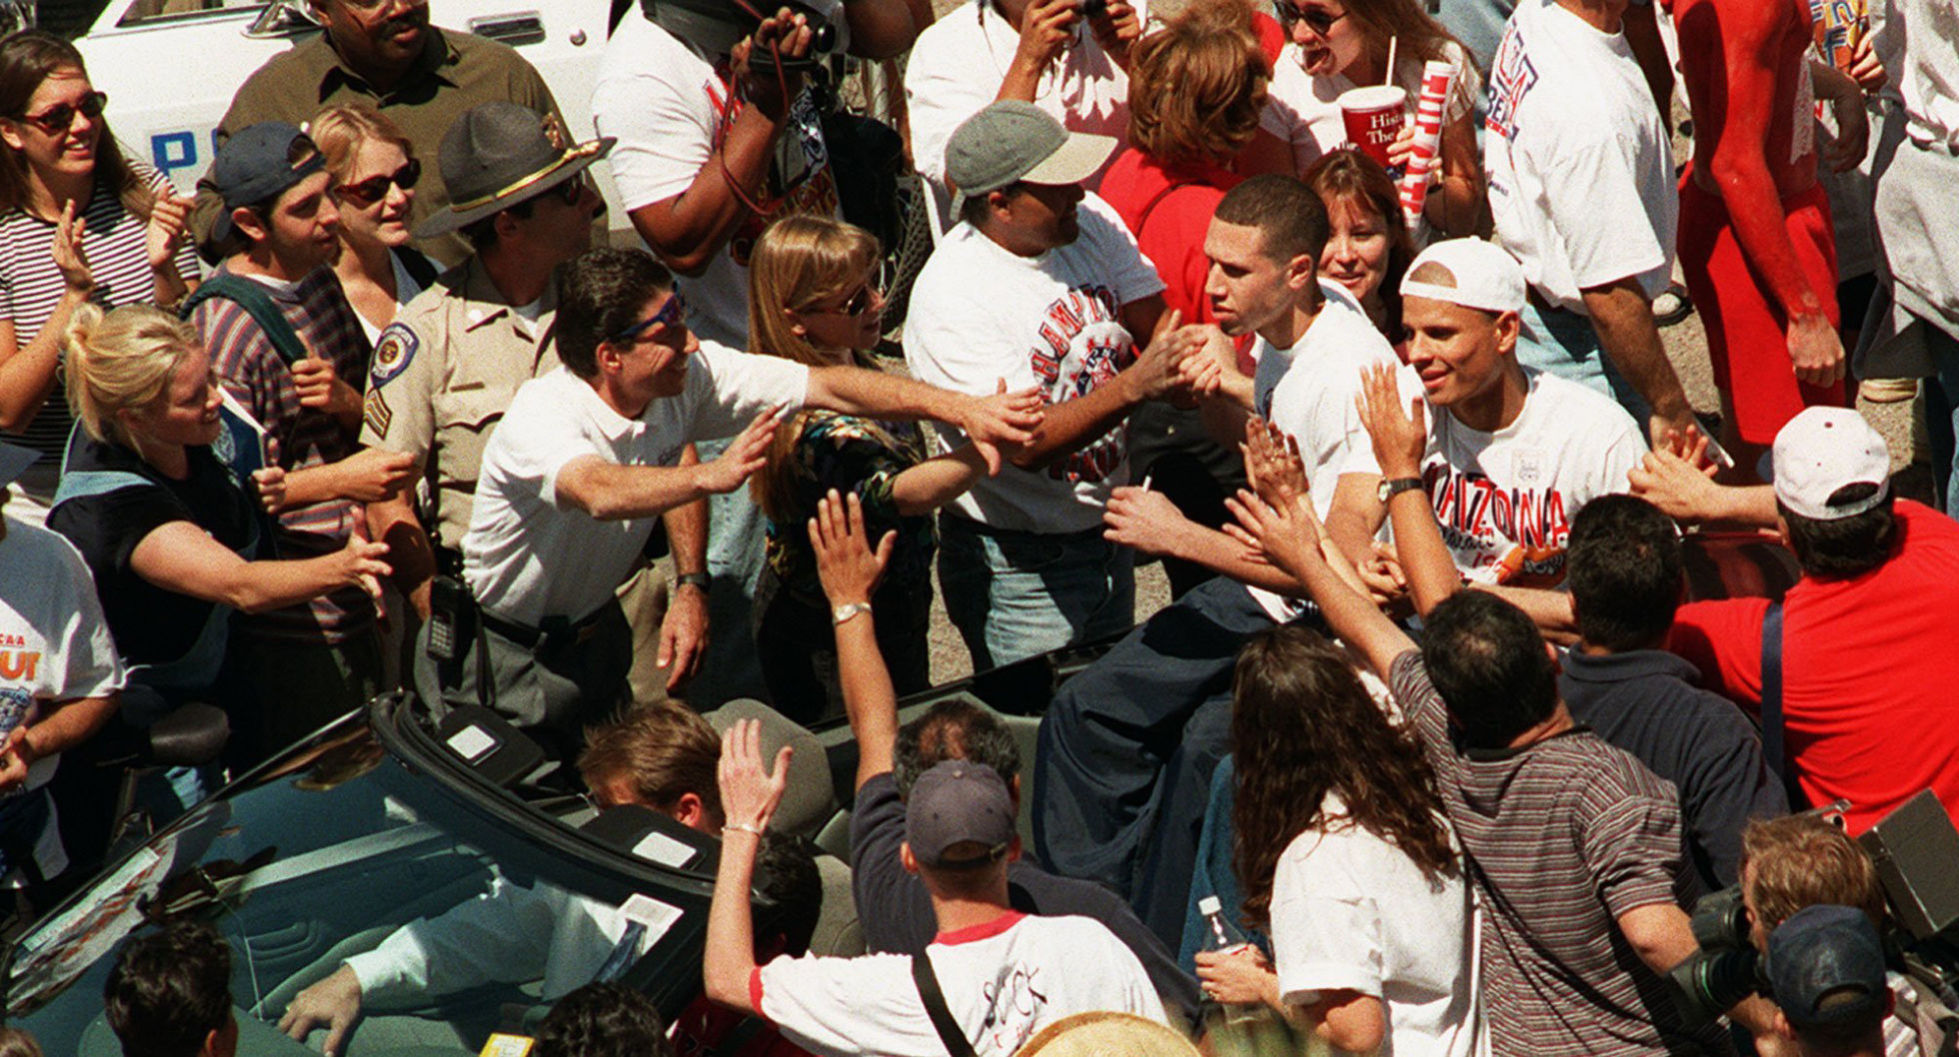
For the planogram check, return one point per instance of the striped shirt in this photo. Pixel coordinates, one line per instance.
(31, 286)
(296, 438)
(1562, 837)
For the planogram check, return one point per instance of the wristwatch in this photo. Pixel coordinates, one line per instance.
(847, 610)
(1394, 486)
(704, 581)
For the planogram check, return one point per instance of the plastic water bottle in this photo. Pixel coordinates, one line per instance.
(1226, 939)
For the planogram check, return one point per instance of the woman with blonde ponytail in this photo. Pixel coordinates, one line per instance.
(174, 538)
(813, 298)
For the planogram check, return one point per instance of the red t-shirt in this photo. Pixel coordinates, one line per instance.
(1870, 671)
(1169, 211)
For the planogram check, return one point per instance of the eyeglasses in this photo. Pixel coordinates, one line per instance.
(672, 312)
(374, 188)
(1316, 20)
(60, 117)
(859, 303)
(571, 190)
(376, 5)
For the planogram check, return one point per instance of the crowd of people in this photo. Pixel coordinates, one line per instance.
(1446, 713)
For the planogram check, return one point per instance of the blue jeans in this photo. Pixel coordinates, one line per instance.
(1564, 343)
(1013, 595)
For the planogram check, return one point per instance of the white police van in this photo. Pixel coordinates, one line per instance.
(170, 67)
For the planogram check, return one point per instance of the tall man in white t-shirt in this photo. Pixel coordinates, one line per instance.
(1001, 975)
(1582, 187)
(1040, 286)
(588, 456)
(1171, 679)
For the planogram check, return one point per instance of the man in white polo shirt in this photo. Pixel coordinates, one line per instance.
(1042, 285)
(586, 458)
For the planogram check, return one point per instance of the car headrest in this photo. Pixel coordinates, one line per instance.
(810, 800)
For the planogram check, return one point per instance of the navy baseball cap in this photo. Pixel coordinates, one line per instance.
(1826, 967)
(958, 802)
(254, 165)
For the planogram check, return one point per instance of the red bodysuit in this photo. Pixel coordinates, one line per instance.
(1755, 237)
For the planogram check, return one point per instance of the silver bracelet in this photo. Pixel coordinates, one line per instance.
(743, 827)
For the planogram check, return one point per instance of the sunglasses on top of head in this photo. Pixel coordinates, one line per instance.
(60, 117)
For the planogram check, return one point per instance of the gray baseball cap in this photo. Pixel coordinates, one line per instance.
(958, 802)
(1013, 142)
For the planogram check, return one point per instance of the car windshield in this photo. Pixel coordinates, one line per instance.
(327, 855)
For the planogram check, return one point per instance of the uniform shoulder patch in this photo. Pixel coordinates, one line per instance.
(392, 351)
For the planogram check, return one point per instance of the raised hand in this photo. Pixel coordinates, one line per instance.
(1682, 490)
(1047, 27)
(1399, 437)
(845, 563)
(70, 256)
(748, 453)
(169, 223)
(1273, 465)
(1288, 534)
(1157, 368)
(750, 791)
(1117, 29)
(783, 36)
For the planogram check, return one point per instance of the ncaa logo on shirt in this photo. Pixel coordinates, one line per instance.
(1530, 468)
(392, 353)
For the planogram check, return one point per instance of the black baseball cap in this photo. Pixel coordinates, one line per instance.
(958, 802)
(252, 166)
(1826, 967)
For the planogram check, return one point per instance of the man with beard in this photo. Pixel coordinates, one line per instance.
(385, 53)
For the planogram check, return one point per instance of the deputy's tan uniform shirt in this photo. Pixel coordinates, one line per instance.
(457, 71)
(444, 373)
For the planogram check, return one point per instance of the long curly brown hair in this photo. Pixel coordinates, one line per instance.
(1303, 726)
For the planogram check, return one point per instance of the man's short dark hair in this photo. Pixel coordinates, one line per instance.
(1625, 572)
(1289, 215)
(603, 1020)
(954, 730)
(602, 293)
(169, 990)
(1843, 547)
(786, 875)
(1487, 660)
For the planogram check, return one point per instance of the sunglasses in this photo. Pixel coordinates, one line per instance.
(672, 312)
(374, 188)
(859, 303)
(570, 191)
(60, 117)
(376, 5)
(1318, 21)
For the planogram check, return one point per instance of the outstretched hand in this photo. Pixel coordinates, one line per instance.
(750, 790)
(1003, 420)
(743, 456)
(845, 563)
(1287, 534)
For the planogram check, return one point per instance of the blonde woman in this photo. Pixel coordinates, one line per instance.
(374, 172)
(171, 534)
(813, 298)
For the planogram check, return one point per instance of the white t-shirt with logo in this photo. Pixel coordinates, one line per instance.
(1579, 161)
(525, 556)
(1505, 500)
(54, 641)
(1351, 912)
(1002, 981)
(669, 108)
(980, 313)
(1308, 391)
(959, 62)
(1304, 111)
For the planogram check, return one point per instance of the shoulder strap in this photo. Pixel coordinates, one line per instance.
(257, 303)
(956, 1042)
(1772, 690)
(1149, 207)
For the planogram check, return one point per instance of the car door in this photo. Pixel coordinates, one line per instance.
(170, 67)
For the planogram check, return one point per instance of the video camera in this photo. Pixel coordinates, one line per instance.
(716, 26)
(1915, 849)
